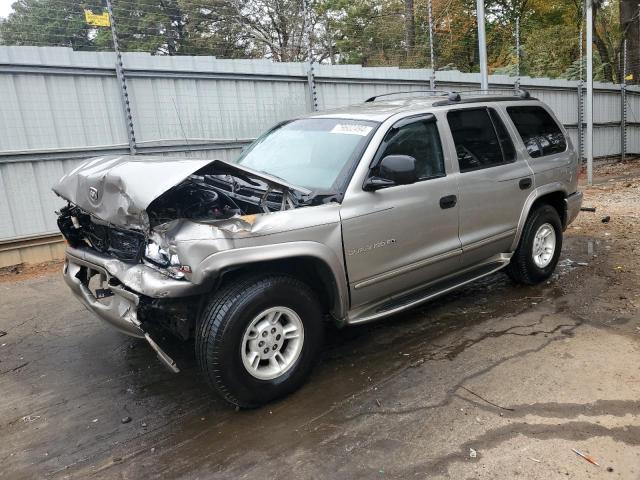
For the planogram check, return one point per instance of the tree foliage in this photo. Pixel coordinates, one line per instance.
(367, 32)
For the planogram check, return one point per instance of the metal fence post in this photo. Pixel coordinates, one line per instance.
(581, 53)
(589, 100)
(517, 46)
(623, 106)
(122, 81)
(580, 120)
(311, 78)
(432, 78)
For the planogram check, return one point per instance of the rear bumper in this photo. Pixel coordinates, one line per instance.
(572, 204)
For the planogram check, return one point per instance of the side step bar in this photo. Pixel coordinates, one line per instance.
(403, 302)
(162, 356)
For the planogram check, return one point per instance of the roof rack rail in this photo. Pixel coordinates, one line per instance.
(441, 92)
(452, 95)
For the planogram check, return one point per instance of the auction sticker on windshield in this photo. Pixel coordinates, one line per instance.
(351, 129)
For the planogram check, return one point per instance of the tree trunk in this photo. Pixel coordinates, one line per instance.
(601, 46)
(607, 66)
(409, 26)
(630, 26)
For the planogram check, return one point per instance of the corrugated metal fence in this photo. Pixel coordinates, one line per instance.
(58, 106)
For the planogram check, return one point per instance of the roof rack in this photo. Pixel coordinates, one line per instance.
(372, 99)
(453, 96)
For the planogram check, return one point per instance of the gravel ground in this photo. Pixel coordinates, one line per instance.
(495, 381)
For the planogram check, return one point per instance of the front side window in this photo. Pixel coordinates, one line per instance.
(421, 141)
(539, 132)
(479, 142)
(312, 152)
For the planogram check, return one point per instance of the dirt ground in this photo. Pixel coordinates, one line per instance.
(495, 381)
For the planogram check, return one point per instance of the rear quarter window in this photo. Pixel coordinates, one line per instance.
(540, 133)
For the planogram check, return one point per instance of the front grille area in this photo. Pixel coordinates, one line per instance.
(122, 244)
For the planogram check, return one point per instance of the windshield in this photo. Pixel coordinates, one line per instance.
(312, 153)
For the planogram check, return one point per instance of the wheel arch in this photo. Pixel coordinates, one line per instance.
(554, 195)
(312, 263)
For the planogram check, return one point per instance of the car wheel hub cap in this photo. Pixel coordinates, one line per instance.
(272, 343)
(544, 245)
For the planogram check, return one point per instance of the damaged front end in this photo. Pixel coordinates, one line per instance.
(132, 226)
(118, 209)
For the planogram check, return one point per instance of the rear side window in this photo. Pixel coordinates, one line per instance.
(481, 139)
(508, 150)
(539, 132)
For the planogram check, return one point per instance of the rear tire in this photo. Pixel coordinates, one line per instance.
(277, 312)
(537, 255)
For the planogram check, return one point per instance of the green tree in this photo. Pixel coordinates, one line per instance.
(46, 23)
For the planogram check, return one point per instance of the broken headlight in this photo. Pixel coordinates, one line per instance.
(161, 257)
(158, 255)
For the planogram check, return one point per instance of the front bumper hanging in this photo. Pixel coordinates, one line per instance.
(118, 306)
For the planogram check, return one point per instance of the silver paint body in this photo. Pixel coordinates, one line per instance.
(378, 246)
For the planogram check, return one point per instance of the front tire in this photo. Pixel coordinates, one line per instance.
(537, 255)
(258, 339)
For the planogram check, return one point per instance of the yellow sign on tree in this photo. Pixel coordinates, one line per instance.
(97, 19)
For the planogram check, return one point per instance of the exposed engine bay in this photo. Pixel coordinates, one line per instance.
(215, 193)
(208, 198)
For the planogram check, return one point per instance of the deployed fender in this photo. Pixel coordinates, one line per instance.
(218, 263)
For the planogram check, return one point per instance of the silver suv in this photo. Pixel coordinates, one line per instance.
(350, 215)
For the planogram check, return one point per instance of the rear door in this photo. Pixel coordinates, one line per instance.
(550, 158)
(494, 182)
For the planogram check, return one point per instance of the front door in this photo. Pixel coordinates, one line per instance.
(400, 237)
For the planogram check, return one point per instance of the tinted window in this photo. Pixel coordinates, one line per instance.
(477, 143)
(508, 150)
(539, 132)
(421, 141)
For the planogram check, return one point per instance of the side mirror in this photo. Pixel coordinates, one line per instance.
(393, 170)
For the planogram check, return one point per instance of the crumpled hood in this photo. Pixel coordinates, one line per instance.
(118, 189)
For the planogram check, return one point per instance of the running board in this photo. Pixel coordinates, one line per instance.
(162, 356)
(402, 302)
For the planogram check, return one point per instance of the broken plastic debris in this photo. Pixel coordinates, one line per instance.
(588, 458)
(472, 453)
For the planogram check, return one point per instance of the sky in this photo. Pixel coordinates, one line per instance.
(5, 7)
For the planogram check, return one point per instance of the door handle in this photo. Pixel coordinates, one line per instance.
(525, 183)
(448, 202)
